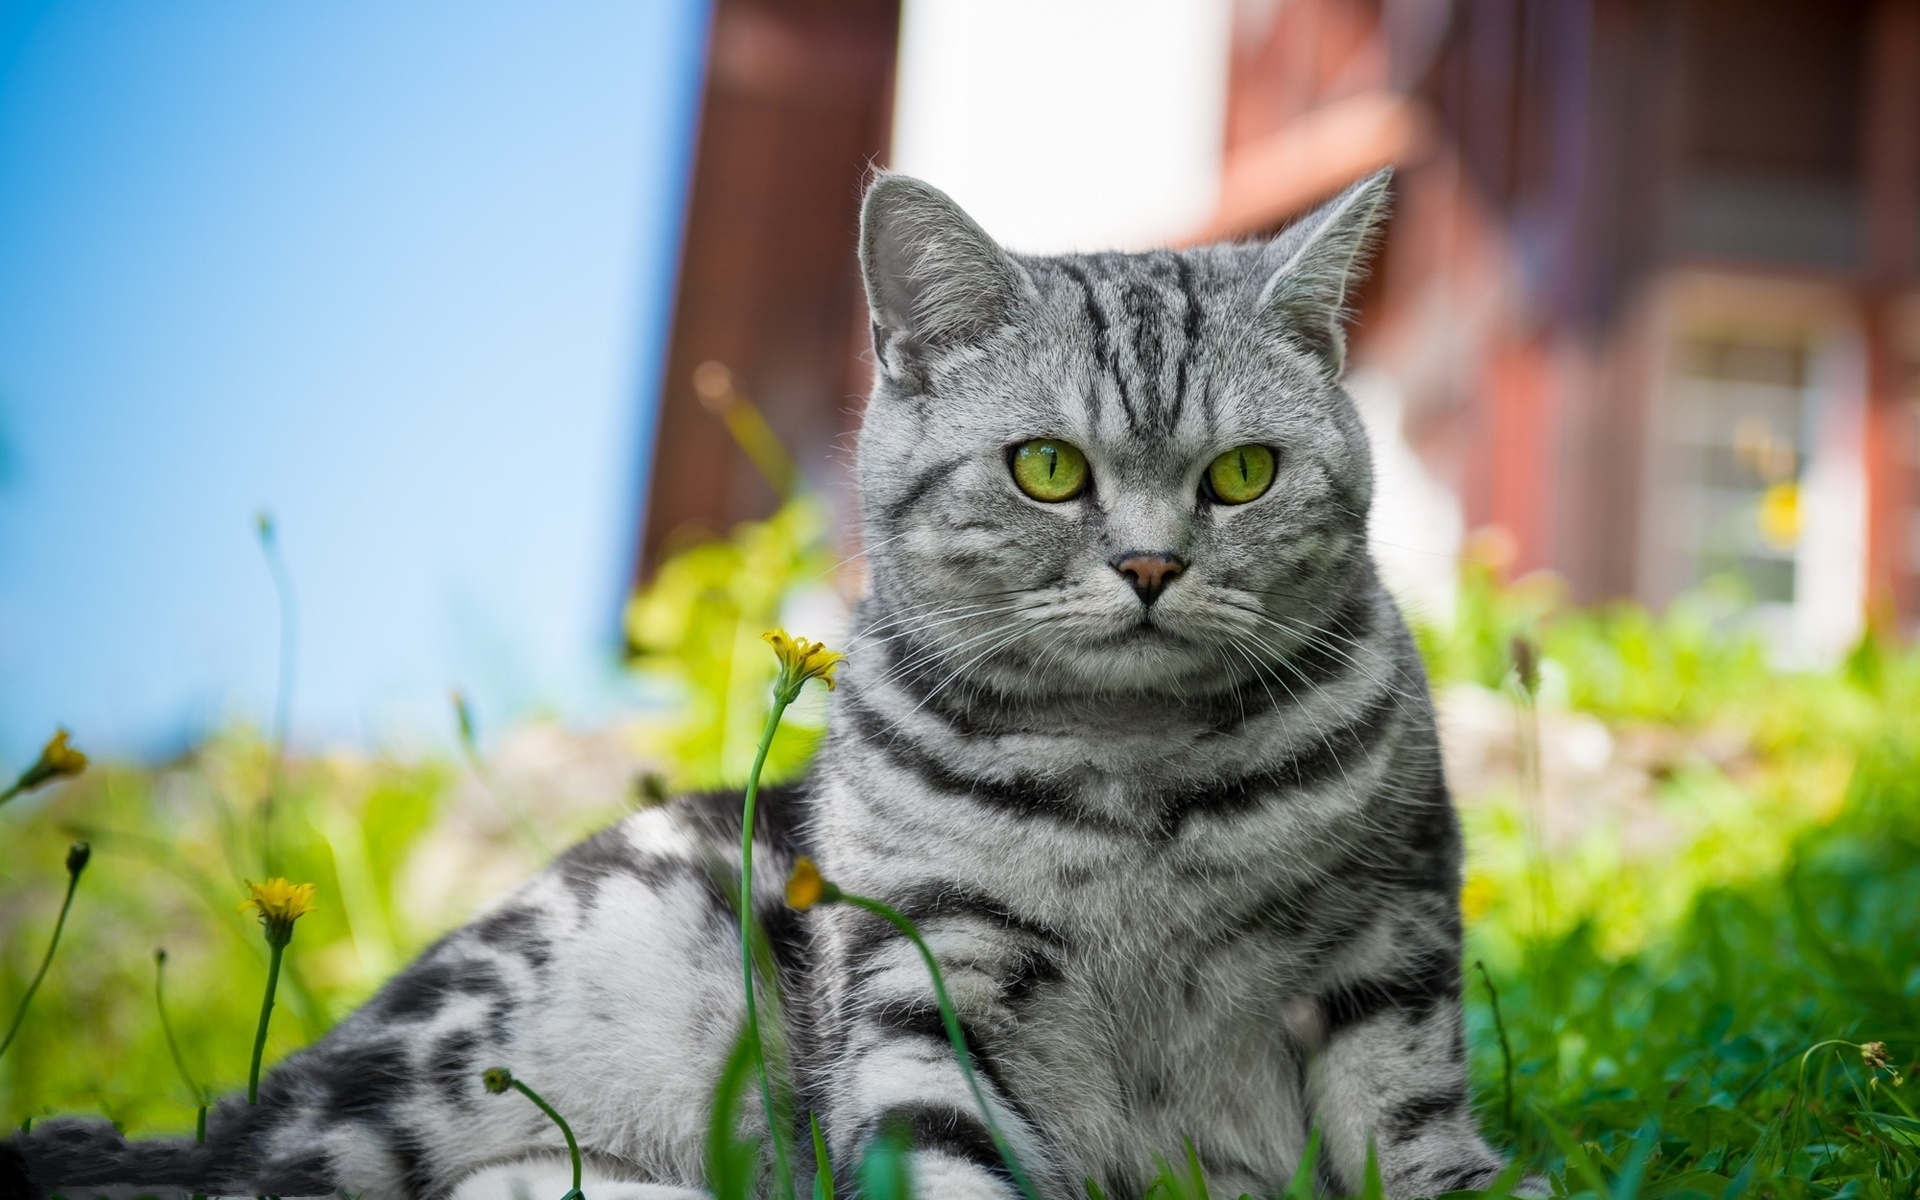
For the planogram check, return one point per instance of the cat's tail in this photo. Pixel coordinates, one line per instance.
(61, 1155)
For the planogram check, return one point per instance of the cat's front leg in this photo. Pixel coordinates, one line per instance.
(1392, 1073)
(541, 1177)
(893, 1066)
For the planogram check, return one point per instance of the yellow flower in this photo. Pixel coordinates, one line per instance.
(1780, 516)
(280, 904)
(57, 760)
(61, 758)
(801, 660)
(1476, 897)
(806, 888)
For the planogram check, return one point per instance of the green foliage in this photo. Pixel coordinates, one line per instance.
(695, 635)
(396, 864)
(1676, 1068)
(1659, 998)
(171, 848)
(1693, 662)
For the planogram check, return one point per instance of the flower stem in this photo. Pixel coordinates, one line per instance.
(73, 882)
(166, 1026)
(951, 1020)
(283, 689)
(173, 1048)
(200, 1136)
(553, 1114)
(783, 1172)
(1506, 1048)
(278, 949)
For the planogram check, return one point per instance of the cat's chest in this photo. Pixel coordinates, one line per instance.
(1184, 950)
(1131, 864)
(1176, 1013)
(1132, 1056)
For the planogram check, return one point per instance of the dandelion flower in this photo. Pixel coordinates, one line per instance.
(806, 887)
(280, 904)
(801, 660)
(1476, 897)
(58, 760)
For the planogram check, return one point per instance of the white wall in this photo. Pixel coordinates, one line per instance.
(1066, 124)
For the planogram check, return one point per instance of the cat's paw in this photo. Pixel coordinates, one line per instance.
(545, 1178)
(941, 1177)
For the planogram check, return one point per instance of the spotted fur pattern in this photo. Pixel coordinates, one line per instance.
(1190, 864)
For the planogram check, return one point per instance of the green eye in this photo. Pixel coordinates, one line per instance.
(1049, 470)
(1241, 474)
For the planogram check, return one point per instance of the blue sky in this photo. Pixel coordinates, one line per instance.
(398, 273)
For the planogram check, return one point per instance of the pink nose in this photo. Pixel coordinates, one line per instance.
(1149, 573)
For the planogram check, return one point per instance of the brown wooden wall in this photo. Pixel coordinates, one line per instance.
(796, 111)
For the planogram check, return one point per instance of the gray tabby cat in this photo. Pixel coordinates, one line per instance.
(1128, 726)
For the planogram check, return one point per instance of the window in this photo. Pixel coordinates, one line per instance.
(1738, 424)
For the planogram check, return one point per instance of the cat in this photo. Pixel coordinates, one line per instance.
(1127, 724)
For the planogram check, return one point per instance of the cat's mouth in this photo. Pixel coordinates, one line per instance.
(1145, 631)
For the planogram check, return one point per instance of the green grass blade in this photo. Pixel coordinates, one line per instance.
(1626, 1185)
(822, 1164)
(1302, 1186)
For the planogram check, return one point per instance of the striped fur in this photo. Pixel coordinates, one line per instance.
(1190, 866)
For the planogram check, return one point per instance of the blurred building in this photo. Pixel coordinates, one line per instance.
(797, 107)
(1648, 304)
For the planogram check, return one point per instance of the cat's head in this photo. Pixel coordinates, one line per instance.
(1115, 472)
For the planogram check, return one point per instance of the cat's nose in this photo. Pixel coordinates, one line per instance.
(1149, 573)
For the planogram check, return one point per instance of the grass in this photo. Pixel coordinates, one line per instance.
(1736, 912)
(1686, 1056)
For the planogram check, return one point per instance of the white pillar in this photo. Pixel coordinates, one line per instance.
(1067, 124)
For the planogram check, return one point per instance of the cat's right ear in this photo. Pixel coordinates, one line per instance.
(935, 280)
(1321, 260)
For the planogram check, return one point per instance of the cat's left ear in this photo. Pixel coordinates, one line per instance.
(935, 281)
(1322, 257)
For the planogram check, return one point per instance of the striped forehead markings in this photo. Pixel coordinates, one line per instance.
(1157, 341)
(1104, 354)
(1163, 276)
(1189, 329)
(1144, 304)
